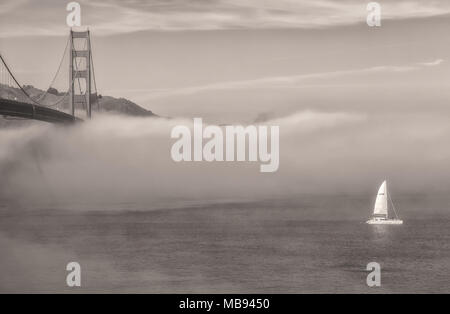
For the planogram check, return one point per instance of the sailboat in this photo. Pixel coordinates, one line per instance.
(380, 211)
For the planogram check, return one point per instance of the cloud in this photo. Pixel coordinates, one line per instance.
(121, 159)
(292, 81)
(114, 16)
(432, 63)
(312, 121)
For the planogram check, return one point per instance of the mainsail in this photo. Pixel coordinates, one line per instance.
(381, 205)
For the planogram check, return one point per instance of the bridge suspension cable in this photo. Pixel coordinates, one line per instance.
(95, 82)
(11, 78)
(25, 95)
(56, 76)
(15, 80)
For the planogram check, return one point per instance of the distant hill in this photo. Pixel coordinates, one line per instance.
(106, 103)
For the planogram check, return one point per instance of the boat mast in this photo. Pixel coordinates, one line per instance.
(392, 203)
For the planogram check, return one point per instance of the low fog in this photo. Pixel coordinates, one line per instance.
(117, 159)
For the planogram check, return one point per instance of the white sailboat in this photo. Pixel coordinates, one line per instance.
(380, 211)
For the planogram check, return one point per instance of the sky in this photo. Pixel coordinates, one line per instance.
(176, 57)
(355, 104)
(45, 17)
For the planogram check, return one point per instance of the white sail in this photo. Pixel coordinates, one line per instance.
(381, 204)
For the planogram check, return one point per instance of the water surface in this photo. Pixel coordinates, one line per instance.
(248, 247)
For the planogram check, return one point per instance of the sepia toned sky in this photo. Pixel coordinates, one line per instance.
(44, 17)
(240, 60)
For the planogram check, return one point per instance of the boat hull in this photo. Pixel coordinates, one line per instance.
(384, 222)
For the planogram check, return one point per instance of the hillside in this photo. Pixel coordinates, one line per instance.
(106, 103)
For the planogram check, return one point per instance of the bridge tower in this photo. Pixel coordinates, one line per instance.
(80, 71)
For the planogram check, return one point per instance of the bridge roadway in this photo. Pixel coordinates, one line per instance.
(29, 111)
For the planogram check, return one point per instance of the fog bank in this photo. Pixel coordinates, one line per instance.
(122, 159)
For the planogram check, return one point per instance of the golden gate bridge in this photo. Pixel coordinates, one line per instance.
(20, 103)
